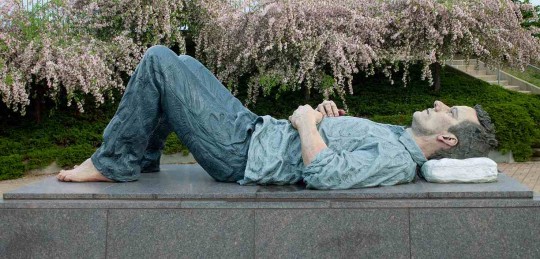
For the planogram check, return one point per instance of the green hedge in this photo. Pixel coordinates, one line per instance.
(68, 137)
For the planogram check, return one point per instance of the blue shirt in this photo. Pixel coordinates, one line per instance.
(360, 153)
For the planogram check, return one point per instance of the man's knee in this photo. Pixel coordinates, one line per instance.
(159, 51)
(190, 61)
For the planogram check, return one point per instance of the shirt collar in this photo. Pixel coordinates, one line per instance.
(408, 142)
(416, 153)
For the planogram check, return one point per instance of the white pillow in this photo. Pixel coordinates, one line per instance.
(471, 170)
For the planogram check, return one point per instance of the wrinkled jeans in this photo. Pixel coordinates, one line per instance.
(175, 93)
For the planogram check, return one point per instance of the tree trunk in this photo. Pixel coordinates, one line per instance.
(38, 102)
(190, 45)
(306, 94)
(37, 110)
(436, 73)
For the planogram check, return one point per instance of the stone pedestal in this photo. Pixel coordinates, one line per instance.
(182, 212)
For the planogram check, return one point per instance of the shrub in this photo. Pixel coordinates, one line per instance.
(65, 137)
(515, 128)
(74, 154)
(11, 167)
(404, 120)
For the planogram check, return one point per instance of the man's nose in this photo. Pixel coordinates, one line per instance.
(438, 105)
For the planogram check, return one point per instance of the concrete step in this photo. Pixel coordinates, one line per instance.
(459, 67)
(477, 72)
(512, 87)
(482, 72)
(471, 71)
(501, 82)
(536, 152)
(470, 67)
(474, 65)
(487, 77)
(463, 61)
(535, 159)
(456, 62)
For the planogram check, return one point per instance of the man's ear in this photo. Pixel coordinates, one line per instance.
(448, 138)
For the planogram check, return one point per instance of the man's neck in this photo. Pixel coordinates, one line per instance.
(426, 143)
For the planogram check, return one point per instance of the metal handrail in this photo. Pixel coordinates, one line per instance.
(499, 75)
(534, 67)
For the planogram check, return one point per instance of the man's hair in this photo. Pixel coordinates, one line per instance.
(473, 140)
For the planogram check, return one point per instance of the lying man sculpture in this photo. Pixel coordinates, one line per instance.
(177, 93)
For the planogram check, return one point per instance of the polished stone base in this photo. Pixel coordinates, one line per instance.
(182, 212)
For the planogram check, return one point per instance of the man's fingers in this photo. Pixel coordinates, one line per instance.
(335, 109)
(329, 110)
(320, 109)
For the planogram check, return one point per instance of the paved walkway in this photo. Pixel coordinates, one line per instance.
(527, 173)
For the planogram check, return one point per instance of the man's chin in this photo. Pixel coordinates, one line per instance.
(419, 130)
(416, 115)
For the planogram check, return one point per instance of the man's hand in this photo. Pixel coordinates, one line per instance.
(305, 116)
(305, 120)
(329, 108)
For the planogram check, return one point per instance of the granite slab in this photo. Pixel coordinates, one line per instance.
(172, 182)
(269, 204)
(53, 233)
(203, 233)
(327, 233)
(185, 182)
(475, 233)
(505, 187)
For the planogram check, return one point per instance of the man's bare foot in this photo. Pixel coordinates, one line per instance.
(86, 172)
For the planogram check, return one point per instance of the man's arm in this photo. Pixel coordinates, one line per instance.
(305, 120)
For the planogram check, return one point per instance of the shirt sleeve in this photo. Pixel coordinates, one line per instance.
(366, 167)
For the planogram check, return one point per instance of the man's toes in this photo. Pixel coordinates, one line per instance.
(67, 178)
(62, 176)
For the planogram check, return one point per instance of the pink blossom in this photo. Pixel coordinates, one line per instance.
(74, 55)
(295, 40)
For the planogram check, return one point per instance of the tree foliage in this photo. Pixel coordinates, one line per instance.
(531, 16)
(79, 48)
(73, 49)
(300, 42)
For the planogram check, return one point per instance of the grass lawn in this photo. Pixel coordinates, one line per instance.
(68, 138)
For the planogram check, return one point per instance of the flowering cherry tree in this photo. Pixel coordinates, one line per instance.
(80, 48)
(290, 43)
(285, 44)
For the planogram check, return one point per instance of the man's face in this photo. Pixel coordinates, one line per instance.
(441, 117)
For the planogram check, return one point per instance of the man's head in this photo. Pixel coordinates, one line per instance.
(455, 132)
